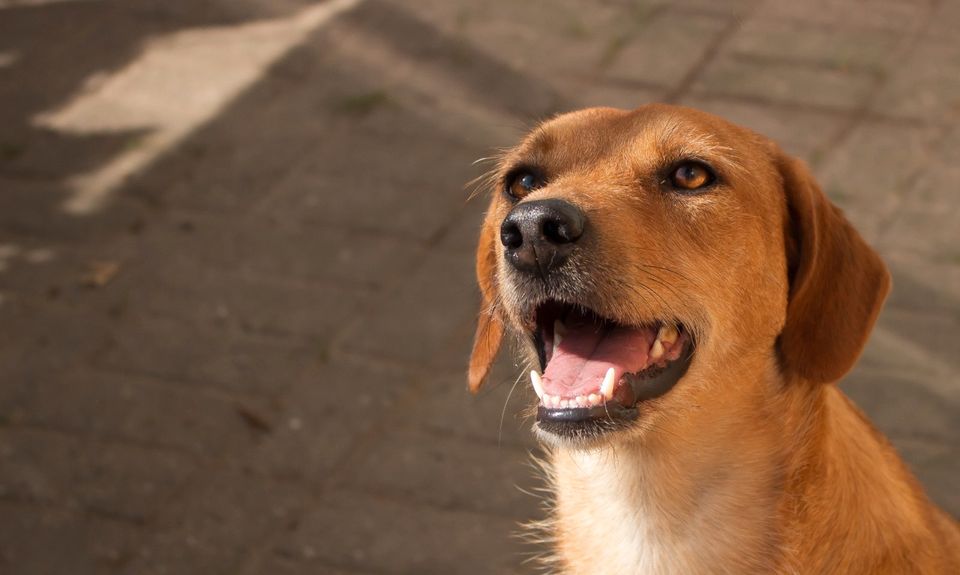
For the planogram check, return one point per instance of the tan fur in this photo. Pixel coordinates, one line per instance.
(754, 462)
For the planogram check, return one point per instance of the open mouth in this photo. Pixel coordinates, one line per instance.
(596, 370)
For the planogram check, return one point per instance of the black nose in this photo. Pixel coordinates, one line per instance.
(540, 235)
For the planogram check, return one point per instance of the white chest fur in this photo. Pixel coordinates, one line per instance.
(617, 514)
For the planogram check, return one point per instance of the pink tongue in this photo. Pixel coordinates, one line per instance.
(586, 353)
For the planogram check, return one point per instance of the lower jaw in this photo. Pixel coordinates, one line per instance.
(589, 421)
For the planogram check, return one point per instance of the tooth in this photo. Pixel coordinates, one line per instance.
(593, 399)
(606, 388)
(559, 328)
(558, 332)
(581, 401)
(656, 351)
(537, 384)
(668, 334)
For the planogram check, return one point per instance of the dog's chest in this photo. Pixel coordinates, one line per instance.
(611, 520)
(607, 525)
(616, 542)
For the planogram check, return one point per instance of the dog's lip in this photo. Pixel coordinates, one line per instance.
(584, 355)
(634, 375)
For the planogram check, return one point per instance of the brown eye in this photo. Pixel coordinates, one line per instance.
(691, 176)
(522, 184)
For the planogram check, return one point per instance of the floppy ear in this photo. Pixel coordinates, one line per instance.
(837, 282)
(486, 342)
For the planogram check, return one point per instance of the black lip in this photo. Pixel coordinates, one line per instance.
(591, 421)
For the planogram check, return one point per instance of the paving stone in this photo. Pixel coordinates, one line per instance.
(883, 14)
(57, 272)
(478, 66)
(943, 19)
(239, 364)
(903, 406)
(867, 174)
(55, 540)
(924, 226)
(349, 530)
(499, 415)
(426, 322)
(924, 285)
(610, 93)
(450, 473)
(211, 529)
(108, 478)
(211, 297)
(262, 247)
(659, 51)
(830, 88)
(131, 409)
(460, 236)
(935, 334)
(44, 338)
(919, 88)
(331, 411)
(507, 34)
(802, 43)
(280, 565)
(32, 209)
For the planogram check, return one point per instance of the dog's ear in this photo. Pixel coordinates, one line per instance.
(837, 282)
(486, 342)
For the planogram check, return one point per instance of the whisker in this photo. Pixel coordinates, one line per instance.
(503, 412)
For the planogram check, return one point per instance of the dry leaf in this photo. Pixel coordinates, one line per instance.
(100, 274)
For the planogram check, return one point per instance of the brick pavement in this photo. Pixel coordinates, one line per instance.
(272, 379)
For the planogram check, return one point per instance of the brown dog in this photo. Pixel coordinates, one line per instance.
(690, 296)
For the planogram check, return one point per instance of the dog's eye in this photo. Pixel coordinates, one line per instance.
(691, 176)
(522, 184)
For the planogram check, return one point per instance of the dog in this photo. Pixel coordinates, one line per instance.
(688, 297)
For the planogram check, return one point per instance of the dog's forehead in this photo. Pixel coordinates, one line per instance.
(650, 130)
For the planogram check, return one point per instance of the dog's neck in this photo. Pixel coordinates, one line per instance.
(693, 491)
(717, 487)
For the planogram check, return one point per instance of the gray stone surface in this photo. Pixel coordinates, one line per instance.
(247, 356)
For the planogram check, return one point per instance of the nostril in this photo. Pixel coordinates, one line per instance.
(510, 235)
(557, 232)
(563, 226)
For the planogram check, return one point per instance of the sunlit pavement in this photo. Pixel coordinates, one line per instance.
(236, 257)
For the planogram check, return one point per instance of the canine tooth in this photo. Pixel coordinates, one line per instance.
(606, 388)
(593, 399)
(668, 334)
(656, 351)
(537, 384)
(559, 329)
(558, 332)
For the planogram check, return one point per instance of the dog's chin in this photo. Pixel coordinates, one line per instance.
(597, 373)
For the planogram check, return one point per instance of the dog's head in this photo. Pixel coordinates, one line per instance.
(646, 259)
